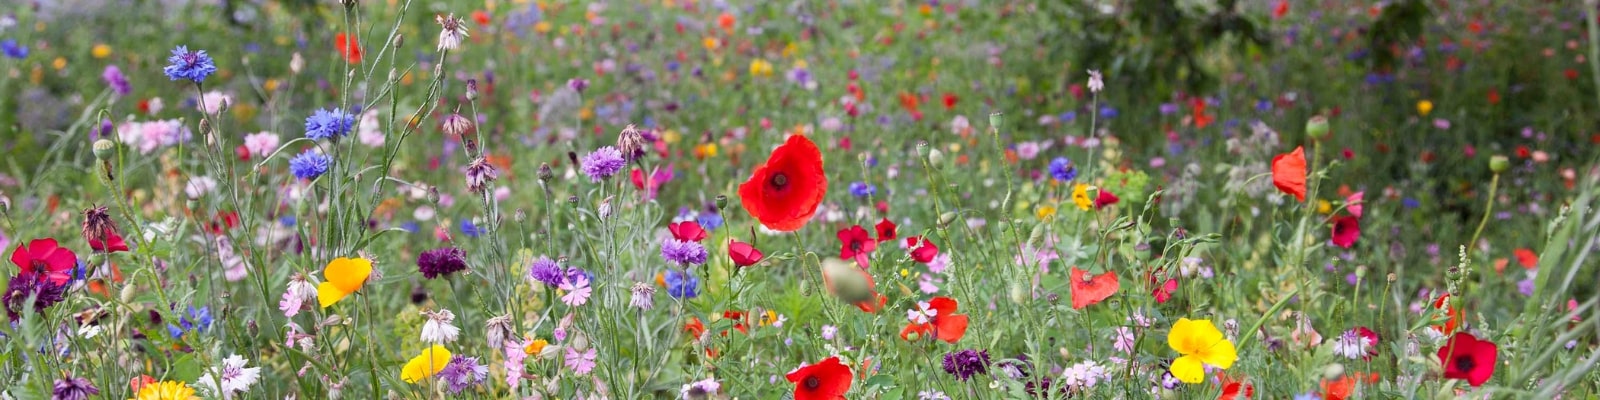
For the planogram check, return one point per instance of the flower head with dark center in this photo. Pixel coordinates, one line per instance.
(966, 363)
(1466, 357)
(442, 261)
(784, 192)
(189, 65)
(825, 380)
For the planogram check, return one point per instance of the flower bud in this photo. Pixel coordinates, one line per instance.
(399, 40)
(1317, 127)
(104, 149)
(519, 216)
(1018, 293)
(1333, 371)
(936, 159)
(472, 89)
(722, 202)
(996, 119)
(1499, 164)
(545, 174)
(947, 218)
(922, 148)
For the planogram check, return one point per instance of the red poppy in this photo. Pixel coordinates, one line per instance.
(852, 285)
(921, 249)
(224, 221)
(1201, 119)
(950, 100)
(785, 192)
(1105, 198)
(1232, 389)
(886, 230)
(945, 324)
(744, 254)
(481, 17)
(347, 47)
(1091, 290)
(112, 244)
(1342, 388)
(738, 321)
(1527, 258)
(242, 152)
(1164, 290)
(726, 21)
(1453, 318)
(1289, 173)
(855, 243)
(688, 231)
(1346, 229)
(1281, 10)
(826, 380)
(694, 328)
(44, 256)
(1466, 357)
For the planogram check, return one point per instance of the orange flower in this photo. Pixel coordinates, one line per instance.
(1527, 258)
(1453, 317)
(1342, 388)
(945, 324)
(1289, 173)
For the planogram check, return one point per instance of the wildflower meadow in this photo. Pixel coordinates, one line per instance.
(799, 199)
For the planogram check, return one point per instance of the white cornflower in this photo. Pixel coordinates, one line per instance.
(453, 31)
(1096, 82)
(438, 329)
(1351, 345)
(233, 376)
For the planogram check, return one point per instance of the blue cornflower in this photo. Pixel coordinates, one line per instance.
(681, 285)
(1410, 203)
(1108, 112)
(470, 229)
(1061, 168)
(197, 319)
(13, 50)
(186, 65)
(709, 221)
(286, 221)
(329, 123)
(862, 189)
(545, 270)
(410, 226)
(309, 165)
(683, 252)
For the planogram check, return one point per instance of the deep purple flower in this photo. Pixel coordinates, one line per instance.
(118, 82)
(545, 270)
(441, 261)
(73, 388)
(463, 371)
(966, 363)
(45, 292)
(683, 252)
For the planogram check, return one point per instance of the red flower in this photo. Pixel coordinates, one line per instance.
(855, 243)
(1281, 10)
(1105, 198)
(1289, 173)
(1164, 290)
(1466, 357)
(112, 244)
(1526, 258)
(242, 152)
(826, 380)
(1452, 317)
(44, 256)
(744, 254)
(688, 231)
(1346, 229)
(785, 192)
(1232, 389)
(921, 249)
(945, 324)
(950, 100)
(1091, 290)
(347, 47)
(481, 17)
(886, 230)
(738, 321)
(1201, 119)
(1342, 388)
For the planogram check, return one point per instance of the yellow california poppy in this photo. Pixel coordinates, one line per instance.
(1424, 107)
(1200, 343)
(1080, 196)
(166, 390)
(426, 364)
(343, 276)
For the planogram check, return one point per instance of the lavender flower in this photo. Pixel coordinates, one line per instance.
(966, 363)
(546, 270)
(118, 82)
(188, 65)
(441, 261)
(683, 253)
(463, 371)
(73, 388)
(603, 163)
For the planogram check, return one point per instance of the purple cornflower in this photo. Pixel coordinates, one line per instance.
(189, 65)
(966, 363)
(309, 165)
(1062, 170)
(71, 388)
(546, 270)
(24, 286)
(683, 253)
(603, 163)
(118, 82)
(463, 371)
(441, 261)
(329, 123)
(578, 84)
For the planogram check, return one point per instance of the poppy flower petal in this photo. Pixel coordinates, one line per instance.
(1188, 369)
(348, 274)
(1289, 173)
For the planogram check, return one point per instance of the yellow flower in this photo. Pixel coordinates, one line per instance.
(535, 347)
(768, 318)
(1200, 343)
(705, 150)
(1045, 212)
(1424, 107)
(1324, 207)
(542, 27)
(271, 85)
(1080, 196)
(426, 364)
(711, 43)
(761, 68)
(344, 276)
(59, 63)
(166, 390)
(100, 51)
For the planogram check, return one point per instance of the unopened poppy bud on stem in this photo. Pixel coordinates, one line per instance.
(995, 120)
(1317, 127)
(1499, 164)
(722, 202)
(936, 159)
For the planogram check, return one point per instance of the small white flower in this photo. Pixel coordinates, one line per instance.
(438, 329)
(921, 314)
(233, 376)
(199, 186)
(453, 30)
(1096, 82)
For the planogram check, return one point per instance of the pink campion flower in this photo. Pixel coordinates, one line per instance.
(581, 362)
(261, 144)
(296, 295)
(234, 267)
(577, 288)
(515, 354)
(367, 131)
(1354, 202)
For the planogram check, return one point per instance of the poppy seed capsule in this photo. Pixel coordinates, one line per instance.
(104, 149)
(1317, 127)
(996, 119)
(1497, 164)
(722, 202)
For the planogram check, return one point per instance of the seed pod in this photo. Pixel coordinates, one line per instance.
(1499, 164)
(1317, 127)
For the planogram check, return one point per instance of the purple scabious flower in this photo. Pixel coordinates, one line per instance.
(682, 252)
(603, 163)
(966, 363)
(329, 123)
(189, 65)
(681, 285)
(441, 261)
(45, 293)
(118, 82)
(1062, 170)
(545, 270)
(463, 371)
(73, 388)
(862, 189)
(309, 165)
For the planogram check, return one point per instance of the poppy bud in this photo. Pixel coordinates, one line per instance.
(922, 148)
(1018, 293)
(399, 40)
(722, 202)
(936, 159)
(947, 218)
(127, 294)
(1036, 237)
(1317, 127)
(1498, 164)
(996, 119)
(104, 149)
(847, 281)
